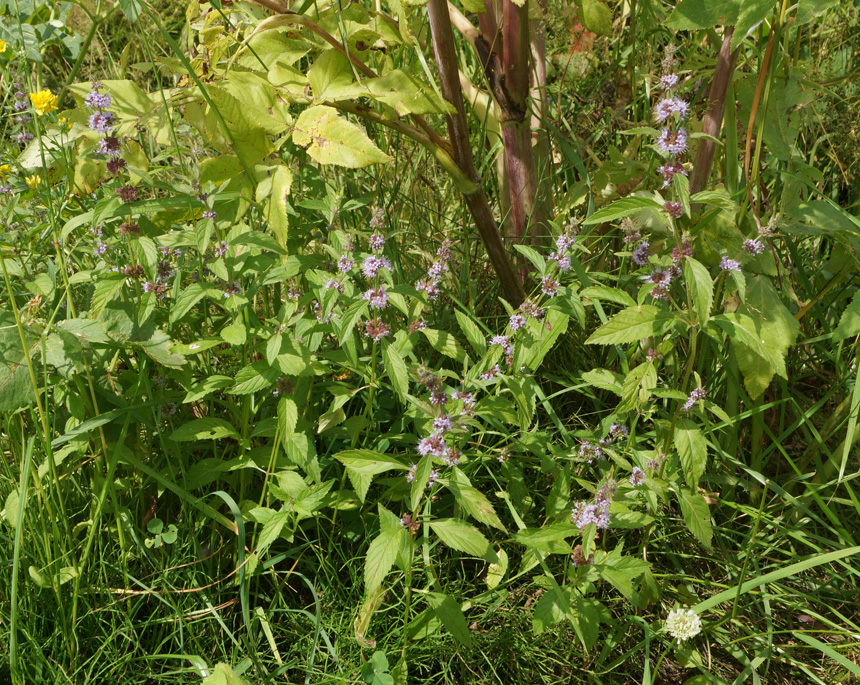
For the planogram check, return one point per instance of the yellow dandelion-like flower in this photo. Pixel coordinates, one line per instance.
(43, 102)
(2, 46)
(5, 170)
(33, 181)
(64, 123)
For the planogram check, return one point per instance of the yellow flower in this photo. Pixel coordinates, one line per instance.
(64, 123)
(43, 102)
(5, 170)
(2, 46)
(33, 181)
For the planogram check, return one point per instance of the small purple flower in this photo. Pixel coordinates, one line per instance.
(101, 122)
(221, 249)
(209, 214)
(442, 423)
(516, 322)
(375, 329)
(584, 513)
(668, 81)
(377, 242)
(115, 165)
(100, 249)
(436, 270)
(410, 475)
(377, 297)
(24, 137)
(373, 264)
(444, 252)
(637, 477)
(345, 264)
(672, 142)
(491, 373)
(727, 264)
(640, 254)
(695, 396)
(235, 289)
(109, 146)
(549, 286)
(127, 193)
(377, 219)
(97, 100)
(674, 209)
(753, 247)
(429, 287)
(669, 170)
(563, 261)
(332, 284)
(564, 242)
(669, 107)
(503, 341)
(433, 444)
(590, 451)
(439, 398)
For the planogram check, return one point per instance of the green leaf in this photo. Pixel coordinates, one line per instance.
(603, 292)
(621, 208)
(330, 139)
(398, 373)
(464, 537)
(445, 343)
(363, 465)
(637, 384)
(703, 14)
(473, 500)
(276, 208)
(422, 474)
(380, 557)
(255, 376)
(204, 429)
(692, 450)
(595, 16)
(604, 379)
(132, 9)
(632, 325)
(549, 539)
(189, 297)
(16, 388)
(222, 674)
(234, 334)
(451, 615)
(701, 288)
(751, 14)
(697, 516)
(472, 332)
(550, 609)
(849, 322)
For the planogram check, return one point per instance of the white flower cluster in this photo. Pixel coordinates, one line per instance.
(683, 624)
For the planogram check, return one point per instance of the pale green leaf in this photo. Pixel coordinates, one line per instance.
(330, 139)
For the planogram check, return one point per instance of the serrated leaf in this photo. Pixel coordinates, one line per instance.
(692, 450)
(253, 377)
(380, 557)
(464, 537)
(472, 500)
(204, 429)
(621, 208)
(398, 373)
(702, 14)
(697, 516)
(330, 139)
(472, 332)
(550, 609)
(632, 325)
(701, 288)
(603, 292)
(451, 615)
(445, 343)
(849, 322)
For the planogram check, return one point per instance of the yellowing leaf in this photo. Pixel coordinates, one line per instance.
(331, 139)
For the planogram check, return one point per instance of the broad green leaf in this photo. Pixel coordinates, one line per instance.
(451, 615)
(637, 385)
(472, 332)
(331, 78)
(234, 334)
(330, 139)
(807, 10)
(604, 379)
(692, 449)
(621, 208)
(444, 342)
(288, 416)
(472, 499)
(703, 14)
(849, 322)
(222, 674)
(204, 429)
(189, 297)
(422, 474)
(407, 94)
(632, 325)
(380, 557)
(603, 292)
(549, 539)
(751, 14)
(255, 376)
(595, 16)
(398, 373)
(276, 208)
(363, 465)
(701, 288)
(16, 388)
(697, 516)
(272, 531)
(551, 608)
(207, 386)
(464, 537)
